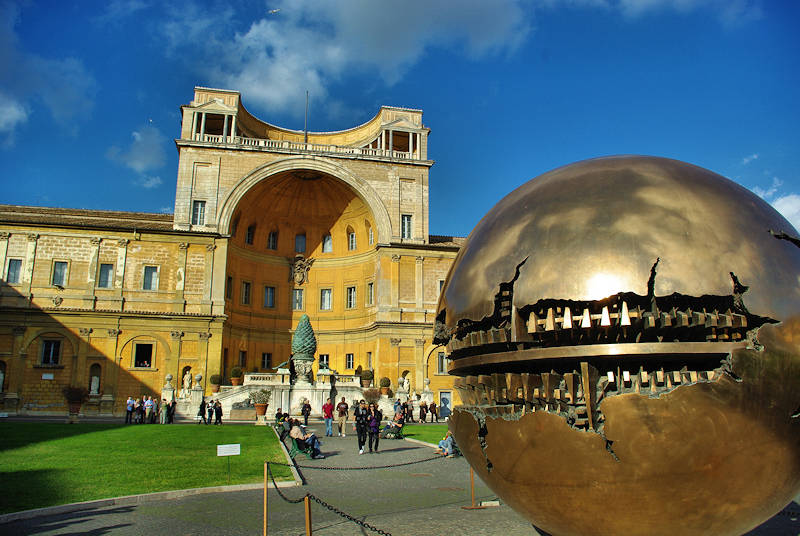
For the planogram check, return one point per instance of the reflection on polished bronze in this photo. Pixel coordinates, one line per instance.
(625, 333)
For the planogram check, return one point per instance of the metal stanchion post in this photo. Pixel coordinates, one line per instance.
(472, 492)
(307, 503)
(265, 498)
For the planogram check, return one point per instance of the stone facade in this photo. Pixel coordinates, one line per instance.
(132, 297)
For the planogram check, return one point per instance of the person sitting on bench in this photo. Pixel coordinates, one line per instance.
(307, 440)
(395, 426)
(447, 445)
(286, 426)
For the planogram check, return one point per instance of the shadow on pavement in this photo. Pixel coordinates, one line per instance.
(63, 521)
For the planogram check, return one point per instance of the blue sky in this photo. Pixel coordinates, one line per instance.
(90, 91)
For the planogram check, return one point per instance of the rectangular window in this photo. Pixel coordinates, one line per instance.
(369, 360)
(370, 293)
(60, 273)
(229, 288)
(251, 234)
(51, 352)
(351, 241)
(150, 278)
(325, 299)
(198, 213)
(300, 243)
(327, 244)
(441, 364)
(242, 358)
(405, 226)
(266, 358)
(371, 236)
(245, 293)
(348, 361)
(325, 359)
(106, 277)
(297, 299)
(269, 296)
(351, 297)
(272, 240)
(142, 355)
(14, 271)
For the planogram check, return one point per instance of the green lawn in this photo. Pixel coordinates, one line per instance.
(430, 433)
(46, 464)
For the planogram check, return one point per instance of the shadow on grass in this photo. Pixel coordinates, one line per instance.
(26, 490)
(21, 434)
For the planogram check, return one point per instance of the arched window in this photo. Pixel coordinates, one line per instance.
(351, 239)
(272, 240)
(327, 243)
(370, 234)
(94, 379)
(300, 243)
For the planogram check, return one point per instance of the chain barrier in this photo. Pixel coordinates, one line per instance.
(331, 468)
(321, 503)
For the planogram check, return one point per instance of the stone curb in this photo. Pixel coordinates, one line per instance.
(417, 441)
(129, 500)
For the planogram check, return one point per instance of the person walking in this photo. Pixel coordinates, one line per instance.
(305, 411)
(434, 411)
(129, 404)
(210, 410)
(423, 411)
(360, 426)
(171, 411)
(201, 412)
(342, 408)
(218, 413)
(327, 414)
(374, 418)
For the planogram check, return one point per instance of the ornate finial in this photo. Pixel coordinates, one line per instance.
(304, 343)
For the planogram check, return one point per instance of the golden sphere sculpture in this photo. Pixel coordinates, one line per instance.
(625, 336)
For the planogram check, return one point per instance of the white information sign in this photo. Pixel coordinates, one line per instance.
(48, 376)
(234, 449)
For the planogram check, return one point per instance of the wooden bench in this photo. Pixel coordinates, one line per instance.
(297, 449)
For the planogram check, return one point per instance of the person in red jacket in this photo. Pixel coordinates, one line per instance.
(327, 414)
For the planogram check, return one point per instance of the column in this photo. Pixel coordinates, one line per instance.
(418, 283)
(225, 129)
(119, 276)
(233, 129)
(391, 143)
(208, 266)
(3, 252)
(218, 278)
(79, 363)
(91, 276)
(411, 144)
(111, 388)
(395, 342)
(395, 281)
(194, 126)
(172, 362)
(30, 258)
(15, 370)
(419, 365)
(202, 353)
(180, 279)
(202, 126)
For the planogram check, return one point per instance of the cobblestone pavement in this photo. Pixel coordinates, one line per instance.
(420, 499)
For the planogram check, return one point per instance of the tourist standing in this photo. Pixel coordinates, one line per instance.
(163, 411)
(434, 411)
(397, 405)
(360, 415)
(342, 408)
(305, 411)
(374, 418)
(201, 412)
(210, 410)
(423, 411)
(129, 404)
(218, 413)
(171, 411)
(327, 414)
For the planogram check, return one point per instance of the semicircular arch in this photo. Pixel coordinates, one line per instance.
(63, 332)
(162, 342)
(263, 172)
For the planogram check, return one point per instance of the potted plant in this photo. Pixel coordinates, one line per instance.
(372, 395)
(366, 378)
(215, 380)
(260, 400)
(236, 376)
(385, 383)
(75, 397)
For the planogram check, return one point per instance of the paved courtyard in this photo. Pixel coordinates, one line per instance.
(419, 499)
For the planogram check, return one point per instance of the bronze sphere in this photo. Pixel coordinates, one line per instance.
(625, 336)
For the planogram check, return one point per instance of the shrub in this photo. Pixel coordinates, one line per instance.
(385, 382)
(372, 395)
(236, 372)
(75, 394)
(215, 379)
(261, 396)
(367, 375)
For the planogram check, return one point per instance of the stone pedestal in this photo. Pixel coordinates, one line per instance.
(196, 396)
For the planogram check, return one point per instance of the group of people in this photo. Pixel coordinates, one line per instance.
(146, 410)
(425, 409)
(212, 408)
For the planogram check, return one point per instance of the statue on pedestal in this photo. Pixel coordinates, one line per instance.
(304, 345)
(187, 384)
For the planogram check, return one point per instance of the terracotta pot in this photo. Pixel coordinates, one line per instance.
(261, 409)
(384, 390)
(215, 388)
(236, 381)
(74, 407)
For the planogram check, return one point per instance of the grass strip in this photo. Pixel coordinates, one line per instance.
(46, 464)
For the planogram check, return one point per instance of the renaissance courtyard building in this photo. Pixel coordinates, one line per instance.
(267, 226)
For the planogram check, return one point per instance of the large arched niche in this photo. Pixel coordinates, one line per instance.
(305, 166)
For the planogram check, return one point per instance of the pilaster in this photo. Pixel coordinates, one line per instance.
(179, 304)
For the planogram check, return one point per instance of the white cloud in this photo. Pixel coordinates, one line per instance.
(116, 10)
(747, 159)
(63, 85)
(729, 12)
(12, 114)
(789, 207)
(770, 192)
(309, 45)
(149, 183)
(145, 153)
